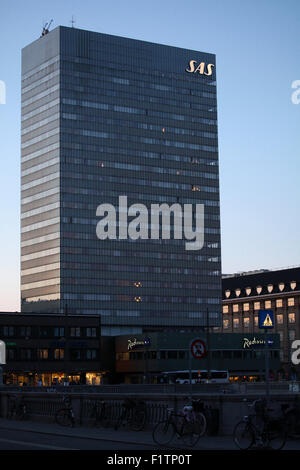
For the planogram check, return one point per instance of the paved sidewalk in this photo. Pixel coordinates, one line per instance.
(212, 443)
(109, 434)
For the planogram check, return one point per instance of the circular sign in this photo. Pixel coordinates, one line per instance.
(198, 348)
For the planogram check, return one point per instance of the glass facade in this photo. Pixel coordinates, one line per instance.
(103, 117)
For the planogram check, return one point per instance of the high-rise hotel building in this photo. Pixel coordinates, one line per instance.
(103, 117)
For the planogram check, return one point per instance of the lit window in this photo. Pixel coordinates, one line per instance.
(227, 293)
(237, 292)
(292, 318)
(258, 289)
(59, 354)
(279, 303)
(235, 308)
(225, 324)
(291, 302)
(256, 305)
(246, 307)
(256, 320)
(268, 304)
(248, 290)
(281, 286)
(225, 309)
(246, 322)
(293, 285)
(270, 288)
(236, 323)
(279, 319)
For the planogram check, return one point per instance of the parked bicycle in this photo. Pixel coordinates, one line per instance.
(65, 416)
(259, 429)
(100, 412)
(189, 425)
(17, 407)
(292, 418)
(133, 414)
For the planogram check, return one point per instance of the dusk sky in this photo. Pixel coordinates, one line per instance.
(257, 46)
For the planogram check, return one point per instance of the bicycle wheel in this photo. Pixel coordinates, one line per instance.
(276, 436)
(200, 424)
(163, 432)
(63, 417)
(243, 435)
(190, 432)
(138, 420)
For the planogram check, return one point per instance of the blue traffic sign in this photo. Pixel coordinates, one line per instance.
(266, 319)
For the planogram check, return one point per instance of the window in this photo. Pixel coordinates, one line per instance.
(236, 323)
(11, 354)
(291, 302)
(292, 335)
(8, 331)
(181, 355)
(44, 331)
(235, 308)
(246, 307)
(227, 354)
(279, 319)
(172, 354)
(91, 332)
(256, 305)
(59, 354)
(268, 304)
(25, 331)
(25, 354)
(246, 322)
(256, 321)
(225, 309)
(225, 324)
(292, 318)
(237, 354)
(42, 354)
(76, 354)
(281, 336)
(75, 331)
(91, 354)
(59, 332)
(279, 303)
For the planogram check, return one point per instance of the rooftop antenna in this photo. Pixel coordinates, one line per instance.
(72, 21)
(46, 28)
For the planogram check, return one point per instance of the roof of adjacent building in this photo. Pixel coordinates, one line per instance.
(270, 282)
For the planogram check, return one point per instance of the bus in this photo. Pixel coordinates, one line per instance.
(198, 376)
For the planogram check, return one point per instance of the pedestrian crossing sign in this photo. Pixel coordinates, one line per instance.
(266, 319)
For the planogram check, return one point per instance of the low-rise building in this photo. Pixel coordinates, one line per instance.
(46, 349)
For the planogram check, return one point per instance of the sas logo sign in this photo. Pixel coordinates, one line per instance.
(201, 68)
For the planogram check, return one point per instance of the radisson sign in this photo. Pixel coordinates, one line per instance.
(200, 68)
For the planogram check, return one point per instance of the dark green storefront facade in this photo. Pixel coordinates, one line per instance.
(144, 358)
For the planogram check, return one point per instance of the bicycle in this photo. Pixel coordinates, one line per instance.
(100, 411)
(133, 414)
(189, 425)
(17, 407)
(259, 430)
(65, 416)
